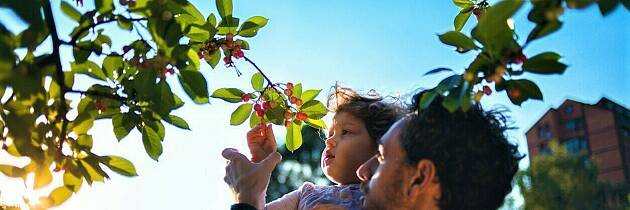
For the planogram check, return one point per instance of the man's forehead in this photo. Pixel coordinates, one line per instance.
(392, 133)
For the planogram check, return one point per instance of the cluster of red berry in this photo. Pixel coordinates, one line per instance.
(234, 49)
(261, 106)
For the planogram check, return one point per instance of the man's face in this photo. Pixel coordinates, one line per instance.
(383, 174)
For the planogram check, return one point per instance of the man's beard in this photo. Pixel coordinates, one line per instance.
(392, 197)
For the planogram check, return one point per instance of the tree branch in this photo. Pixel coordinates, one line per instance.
(100, 94)
(63, 110)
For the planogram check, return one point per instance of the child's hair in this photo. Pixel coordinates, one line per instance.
(377, 114)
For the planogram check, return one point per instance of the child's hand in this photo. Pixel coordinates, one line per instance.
(261, 142)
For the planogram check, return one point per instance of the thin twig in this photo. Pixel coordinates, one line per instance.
(78, 34)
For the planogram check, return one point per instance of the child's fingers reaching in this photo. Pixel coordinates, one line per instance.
(270, 136)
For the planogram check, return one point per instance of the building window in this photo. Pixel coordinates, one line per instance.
(575, 145)
(543, 149)
(573, 124)
(544, 132)
(568, 109)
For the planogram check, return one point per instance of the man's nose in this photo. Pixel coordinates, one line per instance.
(366, 170)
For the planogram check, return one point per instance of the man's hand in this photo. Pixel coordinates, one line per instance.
(247, 180)
(261, 142)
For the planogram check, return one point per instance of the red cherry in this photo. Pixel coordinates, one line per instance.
(245, 97)
(289, 86)
(57, 169)
(227, 60)
(257, 107)
(294, 99)
(299, 102)
(260, 113)
(520, 58)
(200, 54)
(99, 19)
(123, 2)
(266, 105)
(288, 115)
(263, 122)
(287, 123)
(301, 116)
(487, 90)
(288, 92)
(272, 104)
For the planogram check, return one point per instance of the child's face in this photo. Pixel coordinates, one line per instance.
(348, 146)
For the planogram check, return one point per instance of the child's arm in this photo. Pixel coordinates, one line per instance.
(288, 201)
(261, 142)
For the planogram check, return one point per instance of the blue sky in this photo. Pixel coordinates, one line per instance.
(382, 45)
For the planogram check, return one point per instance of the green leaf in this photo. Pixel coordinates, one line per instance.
(186, 57)
(88, 68)
(522, 89)
(492, 29)
(438, 70)
(85, 119)
(195, 85)
(12, 171)
(85, 141)
(119, 165)
(124, 23)
(112, 64)
(448, 83)
(228, 25)
(43, 177)
(123, 124)
(544, 63)
(309, 95)
(319, 123)
(463, 3)
(297, 90)
(177, 122)
(294, 137)
(224, 7)
(60, 195)
(241, 114)
(92, 171)
(254, 119)
(72, 181)
(70, 11)
(251, 26)
(104, 6)
(544, 29)
(607, 6)
(458, 40)
(314, 109)
(461, 18)
(152, 142)
(258, 81)
(452, 101)
(213, 59)
(232, 95)
(198, 33)
(426, 99)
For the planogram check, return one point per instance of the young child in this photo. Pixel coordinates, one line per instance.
(358, 123)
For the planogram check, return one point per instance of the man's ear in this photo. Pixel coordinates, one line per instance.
(424, 180)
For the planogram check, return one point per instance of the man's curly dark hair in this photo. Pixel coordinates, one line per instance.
(474, 160)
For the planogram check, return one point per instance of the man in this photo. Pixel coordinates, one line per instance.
(431, 159)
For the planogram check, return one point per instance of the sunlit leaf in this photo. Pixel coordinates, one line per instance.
(241, 114)
(232, 95)
(119, 165)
